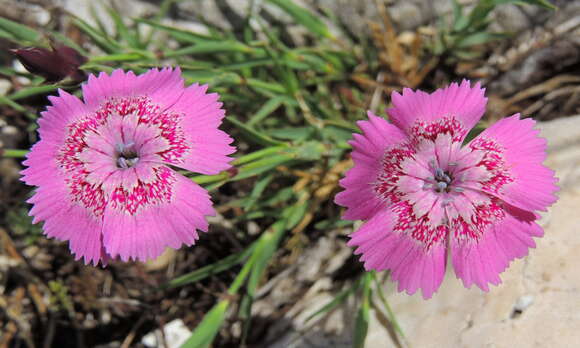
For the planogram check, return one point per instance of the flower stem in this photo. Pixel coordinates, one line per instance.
(13, 153)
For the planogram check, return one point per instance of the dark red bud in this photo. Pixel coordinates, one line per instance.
(70, 55)
(54, 65)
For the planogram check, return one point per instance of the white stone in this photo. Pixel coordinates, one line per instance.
(5, 87)
(175, 332)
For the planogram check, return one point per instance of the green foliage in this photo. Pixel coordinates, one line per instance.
(362, 290)
(286, 112)
(60, 299)
(466, 30)
(304, 17)
(361, 325)
(20, 223)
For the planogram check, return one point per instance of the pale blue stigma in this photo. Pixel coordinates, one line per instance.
(441, 186)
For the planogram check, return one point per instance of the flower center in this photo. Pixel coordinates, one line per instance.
(127, 156)
(442, 180)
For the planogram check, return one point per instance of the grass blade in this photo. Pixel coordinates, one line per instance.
(361, 325)
(13, 153)
(123, 31)
(266, 109)
(120, 57)
(336, 301)
(18, 31)
(205, 332)
(31, 91)
(177, 33)
(304, 17)
(263, 165)
(210, 47)
(99, 38)
(264, 252)
(209, 270)
(269, 151)
(252, 134)
(388, 308)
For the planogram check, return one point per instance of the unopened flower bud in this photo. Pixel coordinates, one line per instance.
(55, 64)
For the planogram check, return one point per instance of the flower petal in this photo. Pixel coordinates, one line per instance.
(368, 149)
(533, 185)
(209, 145)
(163, 86)
(412, 266)
(465, 103)
(53, 131)
(480, 262)
(145, 234)
(67, 221)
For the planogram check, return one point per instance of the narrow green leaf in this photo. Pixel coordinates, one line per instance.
(293, 133)
(128, 35)
(6, 101)
(268, 245)
(31, 91)
(311, 151)
(6, 35)
(541, 3)
(248, 63)
(13, 153)
(253, 134)
(475, 131)
(385, 303)
(480, 12)
(303, 17)
(361, 325)
(279, 197)
(296, 214)
(70, 43)
(269, 151)
(209, 48)
(209, 270)
(257, 191)
(210, 179)
(336, 301)
(250, 165)
(99, 38)
(460, 21)
(177, 33)
(269, 86)
(308, 60)
(263, 165)
(264, 252)
(212, 77)
(95, 15)
(336, 132)
(120, 57)
(266, 109)
(205, 332)
(19, 31)
(466, 54)
(479, 39)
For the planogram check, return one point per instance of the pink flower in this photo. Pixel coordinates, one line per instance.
(424, 195)
(103, 166)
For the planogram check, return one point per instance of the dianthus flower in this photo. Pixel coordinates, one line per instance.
(104, 166)
(425, 195)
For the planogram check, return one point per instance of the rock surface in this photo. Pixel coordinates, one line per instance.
(230, 14)
(537, 305)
